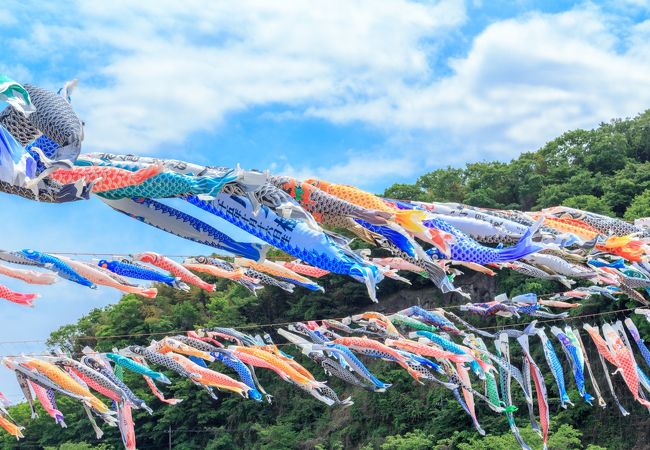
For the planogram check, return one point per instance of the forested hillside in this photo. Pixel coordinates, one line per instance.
(604, 170)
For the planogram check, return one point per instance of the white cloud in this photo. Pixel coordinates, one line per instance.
(17, 71)
(359, 170)
(168, 69)
(630, 5)
(6, 18)
(159, 71)
(522, 82)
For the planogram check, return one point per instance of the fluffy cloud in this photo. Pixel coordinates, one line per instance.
(364, 170)
(160, 71)
(157, 72)
(523, 81)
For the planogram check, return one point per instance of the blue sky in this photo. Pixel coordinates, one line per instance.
(368, 92)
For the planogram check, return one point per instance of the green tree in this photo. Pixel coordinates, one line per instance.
(640, 206)
(588, 203)
(405, 192)
(413, 440)
(564, 438)
(444, 185)
(79, 446)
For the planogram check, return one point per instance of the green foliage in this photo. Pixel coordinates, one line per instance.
(413, 440)
(564, 438)
(588, 203)
(79, 446)
(640, 206)
(443, 184)
(404, 192)
(602, 170)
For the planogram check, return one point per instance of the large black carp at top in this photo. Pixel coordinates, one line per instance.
(54, 118)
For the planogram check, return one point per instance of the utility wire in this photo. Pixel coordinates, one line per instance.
(239, 327)
(278, 324)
